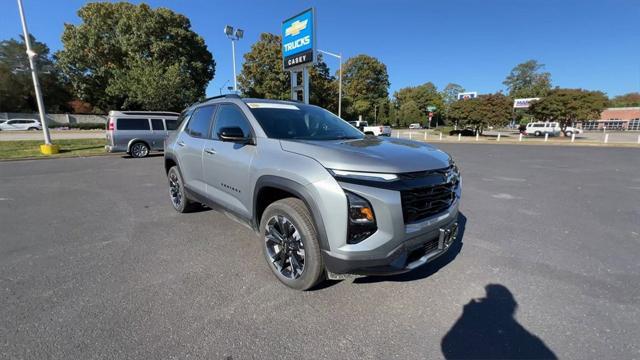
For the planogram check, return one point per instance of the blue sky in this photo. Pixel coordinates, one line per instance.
(589, 44)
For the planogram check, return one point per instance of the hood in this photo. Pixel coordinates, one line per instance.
(371, 154)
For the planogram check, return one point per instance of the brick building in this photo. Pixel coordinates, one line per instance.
(626, 118)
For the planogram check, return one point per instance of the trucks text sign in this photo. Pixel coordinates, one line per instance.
(298, 39)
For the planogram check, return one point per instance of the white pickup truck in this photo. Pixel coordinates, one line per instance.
(377, 130)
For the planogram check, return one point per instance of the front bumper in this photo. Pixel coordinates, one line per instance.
(410, 254)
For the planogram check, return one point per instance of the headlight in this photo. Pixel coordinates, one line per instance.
(359, 175)
(362, 220)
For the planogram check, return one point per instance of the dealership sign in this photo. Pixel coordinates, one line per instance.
(299, 40)
(467, 95)
(523, 103)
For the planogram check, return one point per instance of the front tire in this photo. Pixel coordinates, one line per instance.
(32, 129)
(139, 150)
(290, 244)
(537, 133)
(181, 203)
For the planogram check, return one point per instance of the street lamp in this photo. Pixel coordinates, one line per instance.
(233, 36)
(338, 56)
(47, 148)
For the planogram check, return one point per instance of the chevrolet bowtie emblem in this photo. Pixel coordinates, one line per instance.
(295, 27)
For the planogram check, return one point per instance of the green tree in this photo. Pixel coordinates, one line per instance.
(16, 84)
(450, 95)
(365, 82)
(126, 56)
(566, 106)
(262, 75)
(423, 96)
(482, 112)
(630, 99)
(410, 113)
(527, 80)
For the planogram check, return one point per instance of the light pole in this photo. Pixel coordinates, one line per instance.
(233, 36)
(48, 147)
(338, 56)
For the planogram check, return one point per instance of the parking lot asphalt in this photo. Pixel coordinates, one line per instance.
(94, 263)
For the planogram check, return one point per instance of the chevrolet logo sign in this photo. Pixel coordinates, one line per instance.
(295, 27)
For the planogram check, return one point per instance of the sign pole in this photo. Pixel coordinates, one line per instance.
(305, 84)
(48, 148)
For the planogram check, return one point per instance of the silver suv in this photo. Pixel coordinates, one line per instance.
(324, 198)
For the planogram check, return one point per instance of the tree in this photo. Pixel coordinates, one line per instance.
(566, 106)
(482, 112)
(527, 80)
(365, 82)
(16, 84)
(126, 56)
(423, 96)
(630, 99)
(410, 113)
(262, 75)
(449, 95)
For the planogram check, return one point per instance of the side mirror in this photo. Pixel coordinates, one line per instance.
(233, 134)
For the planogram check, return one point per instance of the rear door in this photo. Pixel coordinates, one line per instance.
(158, 134)
(190, 146)
(227, 164)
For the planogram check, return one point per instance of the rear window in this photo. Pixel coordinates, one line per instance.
(133, 124)
(171, 124)
(156, 124)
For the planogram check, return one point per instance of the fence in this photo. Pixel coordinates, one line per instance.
(58, 119)
(599, 137)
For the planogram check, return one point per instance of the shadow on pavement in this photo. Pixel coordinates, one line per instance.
(487, 329)
(428, 269)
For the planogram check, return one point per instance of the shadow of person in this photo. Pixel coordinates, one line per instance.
(487, 329)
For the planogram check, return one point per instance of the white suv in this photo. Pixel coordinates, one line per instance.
(21, 124)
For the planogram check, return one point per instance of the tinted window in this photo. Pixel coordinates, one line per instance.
(200, 122)
(231, 116)
(171, 124)
(156, 124)
(133, 124)
(299, 121)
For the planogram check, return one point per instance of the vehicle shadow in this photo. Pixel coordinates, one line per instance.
(487, 329)
(428, 269)
(127, 156)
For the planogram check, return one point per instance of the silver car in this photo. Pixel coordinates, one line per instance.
(324, 198)
(139, 132)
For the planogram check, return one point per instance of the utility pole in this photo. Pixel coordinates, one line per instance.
(48, 147)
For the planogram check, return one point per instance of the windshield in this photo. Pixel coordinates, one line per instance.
(300, 121)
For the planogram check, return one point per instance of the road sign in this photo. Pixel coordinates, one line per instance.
(431, 108)
(523, 103)
(299, 40)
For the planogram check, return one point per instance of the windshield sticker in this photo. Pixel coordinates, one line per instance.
(272, 106)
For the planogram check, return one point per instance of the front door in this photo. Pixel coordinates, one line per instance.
(227, 164)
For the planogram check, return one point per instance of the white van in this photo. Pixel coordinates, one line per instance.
(551, 128)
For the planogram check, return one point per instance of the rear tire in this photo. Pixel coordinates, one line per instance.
(569, 133)
(32, 129)
(290, 244)
(537, 133)
(179, 199)
(139, 150)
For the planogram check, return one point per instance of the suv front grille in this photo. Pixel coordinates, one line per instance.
(421, 203)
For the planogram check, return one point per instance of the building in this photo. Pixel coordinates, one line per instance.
(625, 118)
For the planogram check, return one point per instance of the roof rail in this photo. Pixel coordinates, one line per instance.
(236, 96)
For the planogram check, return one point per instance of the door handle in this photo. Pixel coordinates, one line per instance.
(180, 143)
(210, 151)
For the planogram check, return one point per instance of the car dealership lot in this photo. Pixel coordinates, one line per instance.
(94, 263)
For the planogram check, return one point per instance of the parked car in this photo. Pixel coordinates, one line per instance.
(551, 128)
(324, 199)
(415, 126)
(139, 132)
(463, 132)
(377, 130)
(20, 124)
